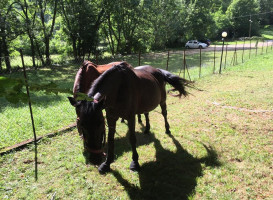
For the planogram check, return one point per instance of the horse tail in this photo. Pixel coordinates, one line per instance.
(177, 82)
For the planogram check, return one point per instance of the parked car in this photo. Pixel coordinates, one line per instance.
(206, 41)
(194, 44)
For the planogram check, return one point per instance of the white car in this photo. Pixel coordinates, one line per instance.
(194, 44)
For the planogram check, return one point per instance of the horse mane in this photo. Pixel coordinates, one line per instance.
(122, 67)
(80, 76)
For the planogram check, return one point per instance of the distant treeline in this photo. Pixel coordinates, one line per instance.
(88, 27)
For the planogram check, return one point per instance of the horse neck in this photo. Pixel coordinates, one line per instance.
(84, 78)
(107, 84)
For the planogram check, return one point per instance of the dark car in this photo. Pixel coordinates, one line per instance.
(206, 41)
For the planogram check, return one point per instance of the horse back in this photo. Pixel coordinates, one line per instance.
(103, 68)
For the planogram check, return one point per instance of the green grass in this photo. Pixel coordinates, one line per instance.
(52, 112)
(216, 151)
(267, 32)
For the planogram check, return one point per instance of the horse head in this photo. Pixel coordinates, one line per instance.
(90, 123)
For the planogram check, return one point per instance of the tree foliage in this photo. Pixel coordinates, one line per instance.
(83, 27)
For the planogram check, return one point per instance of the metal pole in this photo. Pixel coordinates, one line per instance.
(31, 115)
(222, 55)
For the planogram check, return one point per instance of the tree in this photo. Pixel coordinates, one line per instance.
(47, 16)
(82, 20)
(240, 12)
(10, 29)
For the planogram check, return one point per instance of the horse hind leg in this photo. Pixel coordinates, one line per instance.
(132, 136)
(147, 129)
(164, 113)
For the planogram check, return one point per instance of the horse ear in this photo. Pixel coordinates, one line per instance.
(73, 101)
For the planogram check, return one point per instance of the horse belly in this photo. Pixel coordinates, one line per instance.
(150, 97)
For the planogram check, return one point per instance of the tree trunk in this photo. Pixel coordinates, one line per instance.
(39, 53)
(32, 51)
(48, 62)
(6, 54)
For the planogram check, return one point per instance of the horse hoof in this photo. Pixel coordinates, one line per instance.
(134, 166)
(104, 168)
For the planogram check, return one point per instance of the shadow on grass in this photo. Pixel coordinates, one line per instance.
(122, 145)
(171, 176)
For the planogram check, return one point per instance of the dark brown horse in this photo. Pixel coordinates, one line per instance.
(85, 77)
(124, 92)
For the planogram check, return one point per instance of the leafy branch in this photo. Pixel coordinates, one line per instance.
(12, 89)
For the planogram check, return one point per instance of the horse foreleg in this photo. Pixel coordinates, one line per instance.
(132, 137)
(105, 166)
(164, 113)
(147, 129)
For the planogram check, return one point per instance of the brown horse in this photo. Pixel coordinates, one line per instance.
(124, 92)
(85, 76)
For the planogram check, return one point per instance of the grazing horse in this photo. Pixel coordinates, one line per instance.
(85, 76)
(124, 92)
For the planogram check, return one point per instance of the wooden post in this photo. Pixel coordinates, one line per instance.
(139, 58)
(226, 57)
(263, 47)
(213, 71)
(184, 63)
(31, 115)
(243, 50)
(200, 58)
(250, 48)
(257, 43)
(167, 67)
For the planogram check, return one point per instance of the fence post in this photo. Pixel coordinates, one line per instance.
(250, 48)
(139, 57)
(226, 57)
(31, 115)
(213, 71)
(257, 43)
(200, 57)
(243, 50)
(167, 67)
(262, 48)
(184, 63)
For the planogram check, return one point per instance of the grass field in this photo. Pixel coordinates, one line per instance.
(52, 112)
(220, 148)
